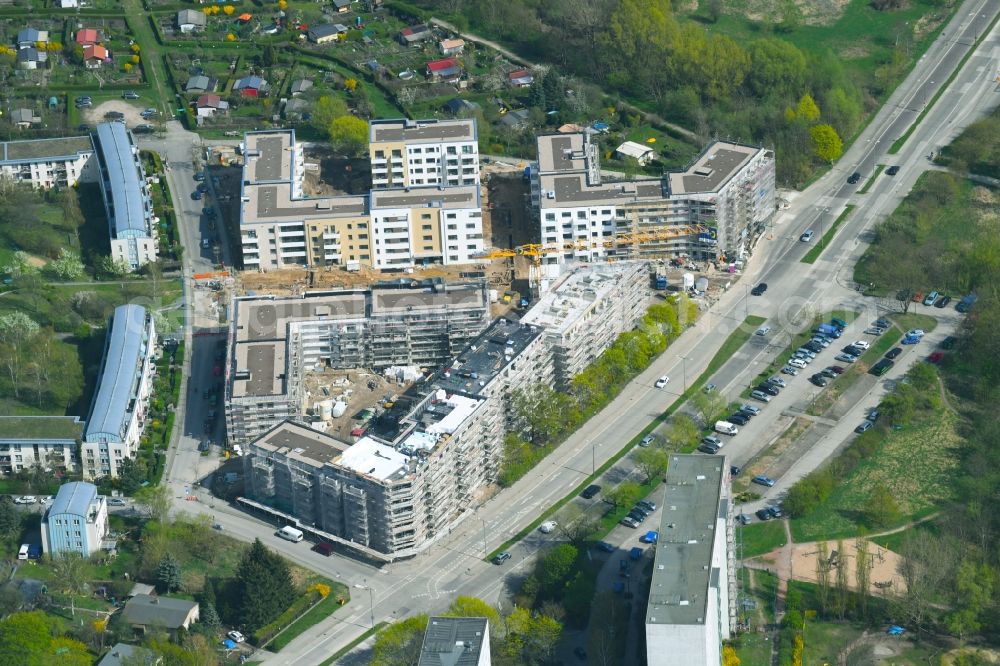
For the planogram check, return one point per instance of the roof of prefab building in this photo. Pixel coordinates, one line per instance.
(123, 179)
(74, 498)
(122, 361)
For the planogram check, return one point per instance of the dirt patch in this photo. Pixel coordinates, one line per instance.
(812, 12)
(882, 562)
(766, 462)
(96, 114)
(37, 262)
(927, 24)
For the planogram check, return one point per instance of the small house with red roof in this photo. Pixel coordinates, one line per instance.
(94, 56)
(414, 34)
(88, 36)
(446, 69)
(208, 105)
(520, 78)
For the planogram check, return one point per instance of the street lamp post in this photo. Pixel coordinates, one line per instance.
(684, 373)
(483, 521)
(371, 602)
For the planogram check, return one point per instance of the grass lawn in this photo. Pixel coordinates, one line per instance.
(758, 590)
(916, 464)
(823, 640)
(913, 320)
(759, 538)
(313, 616)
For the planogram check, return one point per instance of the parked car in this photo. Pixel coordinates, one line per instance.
(547, 527)
(763, 481)
(854, 178)
(949, 342)
(845, 358)
(769, 389)
(662, 381)
(777, 381)
(199, 176)
(806, 236)
(893, 353)
(837, 370)
(827, 372)
(501, 557)
(873, 414)
(942, 302)
(646, 504)
(935, 357)
(590, 491)
(874, 330)
(880, 368)
(861, 344)
(775, 512)
(196, 195)
(864, 427)
(117, 501)
(763, 330)
(605, 547)
(130, 94)
(640, 511)
(324, 548)
(915, 333)
(710, 449)
(763, 514)
(750, 409)
(852, 351)
(734, 470)
(910, 340)
(236, 636)
(711, 439)
(738, 419)
(797, 363)
(26, 499)
(882, 323)
(744, 519)
(818, 380)
(709, 388)
(930, 298)
(760, 395)
(789, 370)
(649, 537)
(966, 303)
(637, 516)
(759, 289)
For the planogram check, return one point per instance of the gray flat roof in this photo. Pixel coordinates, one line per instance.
(38, 149)
(712, 169)
(422, 131)
(74, 498)
(109, 413)
(485, 357)
(561, 152)
(682, 568)
(389, 301)
(453, 641)
(573, 189)
(302, 443)
(168, 612)
(123, 178)
(466, 196)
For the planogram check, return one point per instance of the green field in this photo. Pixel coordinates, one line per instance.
(759, 538)
(916, 464)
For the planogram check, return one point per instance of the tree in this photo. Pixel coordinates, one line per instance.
(209, 619)
(729, 656)
(841, 593)
(156, 499)
(683, 431)
(349, 134)
(577, 525)
(10, 517)
(624, 494)
(70, 571)
(714, 10)
(881, 509)
(16, 331)
(263, 586)
(653, 462)
(473, 607)
(131, 475)
(862, 574)
(827, 145)
(168, 574)
(555, 568)
(19, 265)
(67, 267)
(27, 639)
(111, 267)
(823, 575)
(267, 56)
(973, 597)
(399, 643)
(710, 406)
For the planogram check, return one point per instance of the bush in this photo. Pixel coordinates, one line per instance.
(312, 596)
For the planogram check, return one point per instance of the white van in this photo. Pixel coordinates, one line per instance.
(23, 553)
(726, 428)
(290, 533)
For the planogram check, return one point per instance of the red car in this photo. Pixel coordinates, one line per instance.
(324, 548)
(935, 357)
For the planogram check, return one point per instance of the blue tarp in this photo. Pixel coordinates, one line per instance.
(230, 644)
(895, 630)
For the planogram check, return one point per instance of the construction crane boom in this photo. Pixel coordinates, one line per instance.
(537, 250)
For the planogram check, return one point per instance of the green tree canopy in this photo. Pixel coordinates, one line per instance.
(264, 586)
(168, 574)
(399, 643)
(349, 134)
(827, 145)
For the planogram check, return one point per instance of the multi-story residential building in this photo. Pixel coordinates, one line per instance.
(728, 190)
(692, 600)
(586, 311)
(119, 407)
(47, 163)
(420, 466)
(77, 521)
(49, 442)
(273, 341)
(456, 641)
(416, 153)
(420, 225)
(437, 220)
(126, 196)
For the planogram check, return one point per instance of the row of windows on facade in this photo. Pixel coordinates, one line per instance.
(430, 150)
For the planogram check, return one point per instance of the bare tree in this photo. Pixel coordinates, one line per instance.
(862, 574)
(841, 592)
(823, 575)
(576, 525)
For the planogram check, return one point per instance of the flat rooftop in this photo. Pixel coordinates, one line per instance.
(562, 307)
(561, 153)
(572, 190)
(712, 169)
(453, 641)
(465, 196)
(374, 459)
(485, 357)
(682, 568)
(40, 427)
(422, 131)
(401, 301)
(299, 442)
(268, 178)
(38, 149)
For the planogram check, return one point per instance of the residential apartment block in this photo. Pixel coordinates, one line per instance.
(49, 442)
(456, 641)
(692, 597)
(728, 190)
(273, 341)
(120, 403)
(420, 466)
(416, 153)
(126, 196)
(47, 163)
(76, 522)
(586, 311)
(399, 225)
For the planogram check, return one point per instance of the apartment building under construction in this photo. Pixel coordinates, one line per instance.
(420, 466)
(274, 340)
(718, 205)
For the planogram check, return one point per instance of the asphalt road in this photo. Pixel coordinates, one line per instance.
(454, 565)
